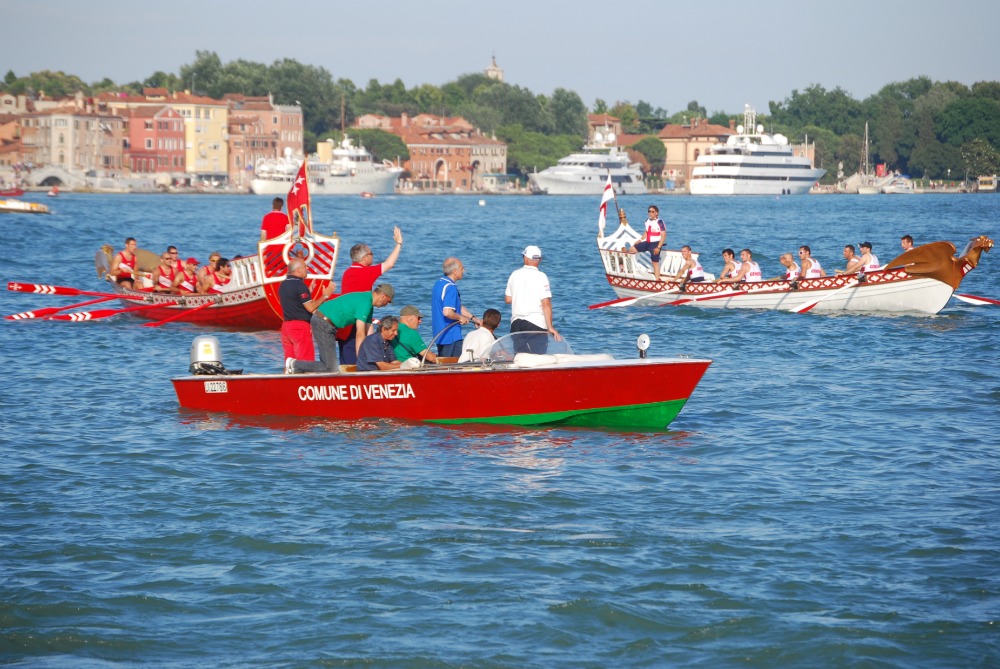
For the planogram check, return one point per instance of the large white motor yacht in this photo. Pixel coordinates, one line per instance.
(344, 170)
(752, 162)
(586, 173)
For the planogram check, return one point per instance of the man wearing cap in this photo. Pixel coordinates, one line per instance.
(340, 314)
(297, 307)
(446, 309)
(530, 298)
(409, 346)
(869, 263)
(186, 281)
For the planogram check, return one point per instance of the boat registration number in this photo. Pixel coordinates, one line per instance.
(216, 387)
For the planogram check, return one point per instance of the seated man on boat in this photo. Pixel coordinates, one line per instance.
(906, 243)
(213, 263)
(656, 237)
(376, 353)
(811, 269)
(731, 266)
(853, 261)
(480, 340)
(749, 270)
(690, 268)
(409, 346)
(164, 274)
(215, 280)
(186, 281)
(792, 269)
(332, 320)
(124, 267)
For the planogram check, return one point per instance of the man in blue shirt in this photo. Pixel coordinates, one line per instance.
(376, 352)
(446, 308)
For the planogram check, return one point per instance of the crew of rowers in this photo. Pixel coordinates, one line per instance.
(172, 275)
(807, 267)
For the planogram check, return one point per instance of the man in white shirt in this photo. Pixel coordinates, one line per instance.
(530, 298)
(478, 342)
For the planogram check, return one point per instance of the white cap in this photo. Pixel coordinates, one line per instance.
(532, 252)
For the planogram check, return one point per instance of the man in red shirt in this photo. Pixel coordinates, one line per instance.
(363, 272)
(274, 222)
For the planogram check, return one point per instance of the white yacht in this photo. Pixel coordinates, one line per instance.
(586, 173)
(342, 170)
(752, 162)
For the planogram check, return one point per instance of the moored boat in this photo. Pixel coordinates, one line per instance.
(921, 280)
(22, 207)
(584, 173)
(753, 162)
(11, 192)
(343, 170)
(525, 389)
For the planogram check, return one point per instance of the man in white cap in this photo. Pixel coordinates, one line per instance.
(530, 298)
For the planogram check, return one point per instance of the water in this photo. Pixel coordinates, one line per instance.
(828, 497)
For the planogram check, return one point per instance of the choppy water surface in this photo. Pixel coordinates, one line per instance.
(828, 497)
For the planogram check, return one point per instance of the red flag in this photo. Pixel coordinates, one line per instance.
(609, 194)
(298, 203)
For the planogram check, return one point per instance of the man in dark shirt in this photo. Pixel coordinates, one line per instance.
(376, 352)
(297, 306)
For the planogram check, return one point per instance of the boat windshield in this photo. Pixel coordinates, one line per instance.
(505, 348)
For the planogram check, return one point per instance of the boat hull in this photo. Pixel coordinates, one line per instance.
(705, 182)
(244, 309)
(585, 394)
(576, 184)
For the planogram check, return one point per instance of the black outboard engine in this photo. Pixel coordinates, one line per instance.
(206, 357)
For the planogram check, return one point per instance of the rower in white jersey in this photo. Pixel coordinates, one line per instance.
(691, 268)
(811, 269)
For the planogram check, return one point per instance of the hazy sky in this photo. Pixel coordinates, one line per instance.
(666, 53)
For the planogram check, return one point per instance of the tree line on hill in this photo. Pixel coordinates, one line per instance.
(920, 127)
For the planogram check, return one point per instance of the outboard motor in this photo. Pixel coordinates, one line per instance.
(206, 357)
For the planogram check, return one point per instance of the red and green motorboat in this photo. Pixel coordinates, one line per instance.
(503, 389)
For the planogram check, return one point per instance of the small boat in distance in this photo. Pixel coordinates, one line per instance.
(22, 207)
(867, 185)
(342, 170)
(752, 162)
(16, 191)
(585, 173)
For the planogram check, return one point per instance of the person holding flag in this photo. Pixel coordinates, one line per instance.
(656, 237)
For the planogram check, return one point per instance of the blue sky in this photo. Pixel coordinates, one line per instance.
(666, 53)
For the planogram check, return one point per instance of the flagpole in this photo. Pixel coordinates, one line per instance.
(309, 209)
(622, 219)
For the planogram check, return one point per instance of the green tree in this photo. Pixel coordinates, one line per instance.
(835, 110)
(653, 151)
(695, 109)
(202, 75)
(627, 114)
(600, 106)
(966, 119)
(530, 151)
(568, 113)
(9, 78)
(980, 158)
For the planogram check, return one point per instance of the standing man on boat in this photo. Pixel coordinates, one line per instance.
(530, 298)
(446, 309)
(297, 308)
(337, 315)
(275, 221)
(656, 237)
(363, 272)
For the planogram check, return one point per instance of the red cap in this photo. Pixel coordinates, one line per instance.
(191, 261)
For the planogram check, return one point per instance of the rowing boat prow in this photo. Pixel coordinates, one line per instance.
(937, 260)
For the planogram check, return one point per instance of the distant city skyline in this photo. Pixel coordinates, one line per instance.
(663, 53)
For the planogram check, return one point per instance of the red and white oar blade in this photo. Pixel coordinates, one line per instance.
(98, 314)
(976, 299)
(703, 298)
(42, 289)
(807, 306)
(48, 311)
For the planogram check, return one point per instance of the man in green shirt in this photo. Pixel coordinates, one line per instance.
(340, 314)
(409, 345)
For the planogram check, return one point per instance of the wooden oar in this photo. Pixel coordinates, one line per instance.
(807, 306)
(628, 301)
(43, 289)
(48, 311)
(710, 296)
(106, 313)
(183, 312)
(975, 299)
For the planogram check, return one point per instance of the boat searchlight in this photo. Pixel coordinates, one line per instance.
(642, 343)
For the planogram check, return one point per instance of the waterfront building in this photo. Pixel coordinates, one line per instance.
(75, 136)
(155, 140)
(445, 152)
